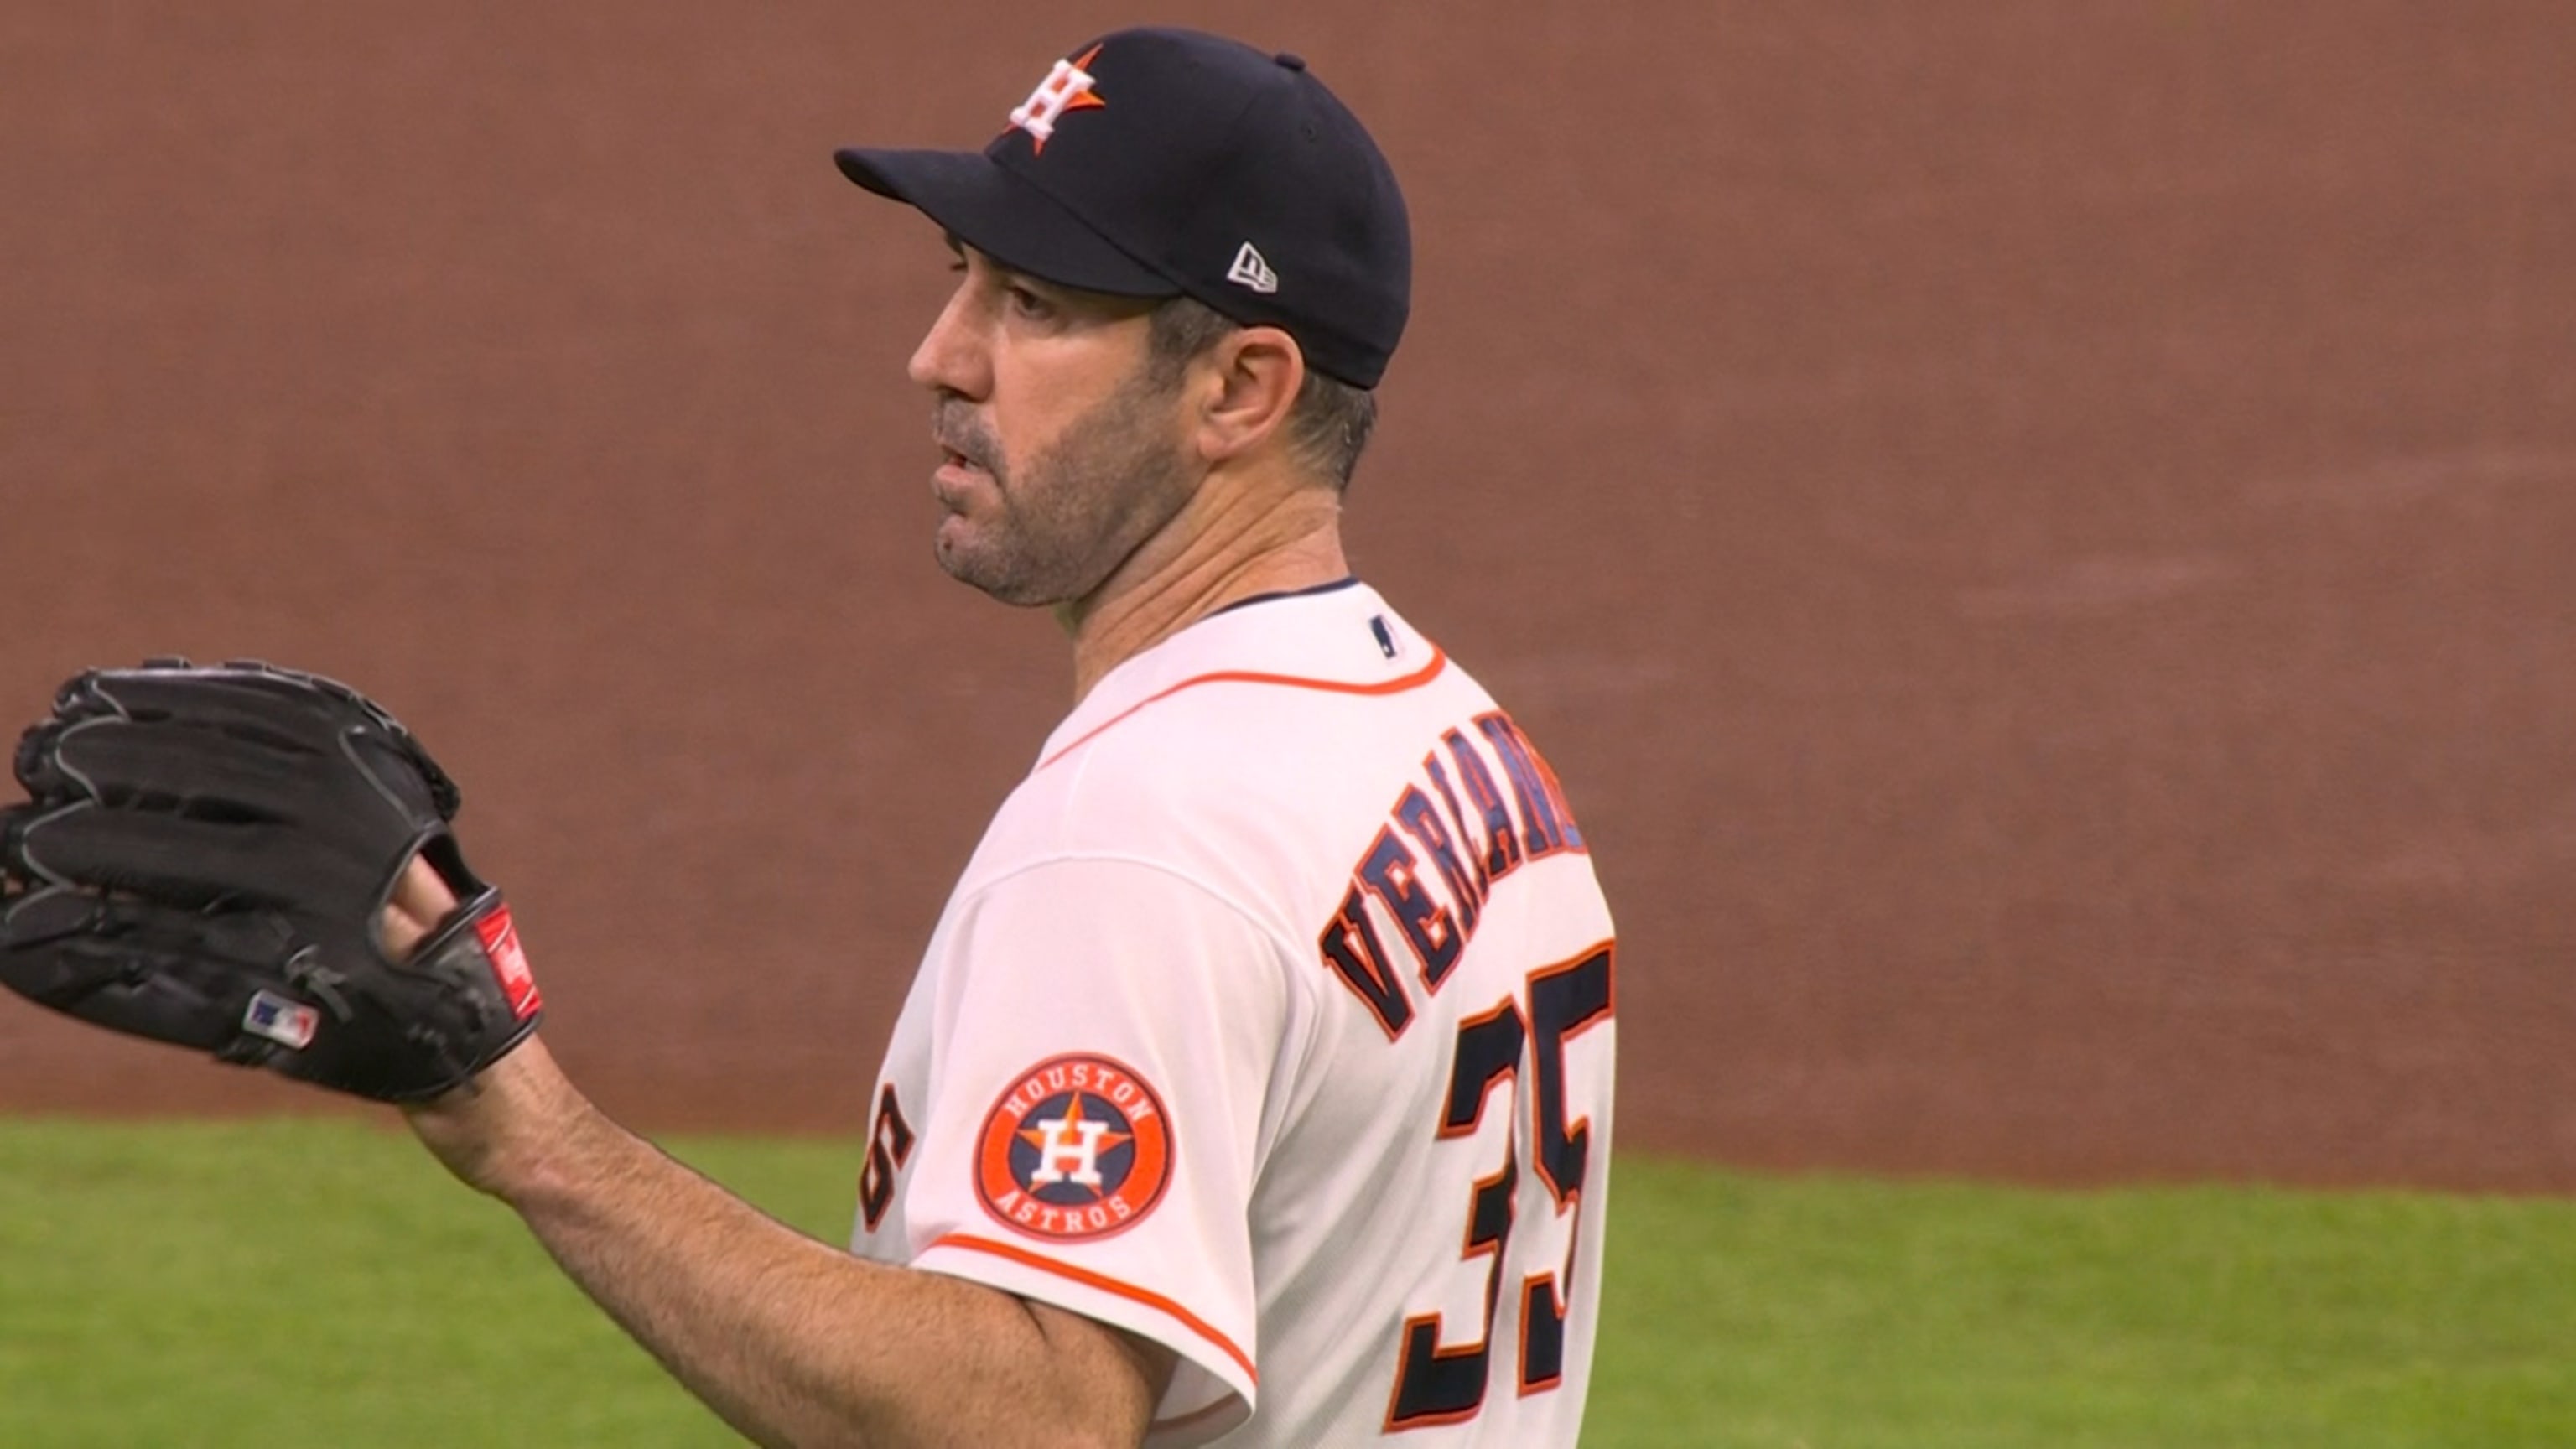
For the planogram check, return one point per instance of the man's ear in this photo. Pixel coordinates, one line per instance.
(1245, 385)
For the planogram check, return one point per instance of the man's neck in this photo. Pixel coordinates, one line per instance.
(1221, 549)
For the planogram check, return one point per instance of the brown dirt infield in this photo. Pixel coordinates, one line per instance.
(2041, 536)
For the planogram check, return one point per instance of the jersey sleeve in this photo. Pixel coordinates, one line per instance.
(1105, 1038)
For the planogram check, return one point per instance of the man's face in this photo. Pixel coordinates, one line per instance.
(1064, 444)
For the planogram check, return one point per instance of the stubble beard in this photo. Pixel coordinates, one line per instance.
(1077, 510)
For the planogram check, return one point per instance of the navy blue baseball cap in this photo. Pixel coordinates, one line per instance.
(1162, 162)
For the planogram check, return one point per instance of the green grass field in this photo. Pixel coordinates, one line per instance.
(298, 1283)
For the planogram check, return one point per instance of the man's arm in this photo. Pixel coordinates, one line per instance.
(792, 1341)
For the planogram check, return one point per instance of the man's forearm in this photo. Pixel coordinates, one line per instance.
(792, 1341)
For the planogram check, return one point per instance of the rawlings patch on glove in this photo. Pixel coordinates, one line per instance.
(204, 858)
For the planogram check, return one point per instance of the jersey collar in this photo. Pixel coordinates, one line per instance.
(1340, 637)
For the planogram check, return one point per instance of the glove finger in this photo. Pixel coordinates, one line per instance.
(380, 743)
(14, 820)
(79, 698)
(110, 697)
(179, 861)
(122, 762)
(288, 710)
(251, 704)
(145, 970)
(35, 764)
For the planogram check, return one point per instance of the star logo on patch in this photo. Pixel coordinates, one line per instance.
(1068, 87)
(1069, 1148)
(1076, 1147)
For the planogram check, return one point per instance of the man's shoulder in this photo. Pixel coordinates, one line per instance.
(1180, 776)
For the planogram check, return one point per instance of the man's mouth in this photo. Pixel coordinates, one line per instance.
(953, 453)
(958, 478)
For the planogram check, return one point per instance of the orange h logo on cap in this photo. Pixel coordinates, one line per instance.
(1066, 88)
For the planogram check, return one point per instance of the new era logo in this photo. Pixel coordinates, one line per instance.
(1252, 270)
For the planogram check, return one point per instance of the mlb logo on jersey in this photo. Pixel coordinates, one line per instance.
(1076, 1147)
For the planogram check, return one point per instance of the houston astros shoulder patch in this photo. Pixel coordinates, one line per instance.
(1076, 1147)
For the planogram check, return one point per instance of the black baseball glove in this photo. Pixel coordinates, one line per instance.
(204, 858)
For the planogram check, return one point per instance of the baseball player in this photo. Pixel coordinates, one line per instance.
(1255, 1087)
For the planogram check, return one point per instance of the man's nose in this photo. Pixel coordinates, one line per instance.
(951, 356)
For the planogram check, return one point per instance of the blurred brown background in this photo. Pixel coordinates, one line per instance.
(2038, 534)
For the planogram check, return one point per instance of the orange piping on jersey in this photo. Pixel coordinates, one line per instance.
(1415, 680)
(1089, 1279)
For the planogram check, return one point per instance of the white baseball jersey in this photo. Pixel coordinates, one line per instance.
(1272, 1021)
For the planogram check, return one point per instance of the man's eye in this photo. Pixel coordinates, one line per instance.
(1028, 303)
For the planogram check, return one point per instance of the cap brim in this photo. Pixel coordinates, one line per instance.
(1005, 217)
